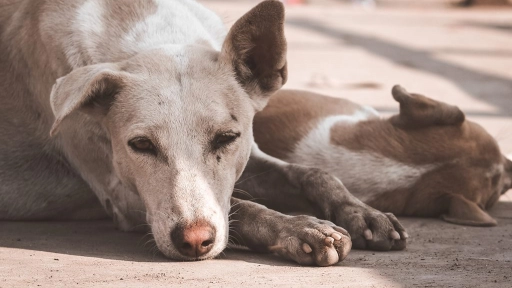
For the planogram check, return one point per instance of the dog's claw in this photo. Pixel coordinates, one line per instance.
(306, 248)
(341, 230)
(372, 229)
(329, 241)
(368, 235)
(336, 236)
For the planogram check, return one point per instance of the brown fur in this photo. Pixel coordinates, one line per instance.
(249, 41)
(464, 181)
(288, 118)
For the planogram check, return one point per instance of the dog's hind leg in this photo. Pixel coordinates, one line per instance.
(304, 239)
(293, 188)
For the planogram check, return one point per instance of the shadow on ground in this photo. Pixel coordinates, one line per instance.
(439, 254)
(493, 89)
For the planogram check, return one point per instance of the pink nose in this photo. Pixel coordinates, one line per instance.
(195, 239)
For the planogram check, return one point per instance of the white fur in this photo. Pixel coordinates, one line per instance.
(160, 30)
(369, 112)
(366, 172)
(90, 25)
(90, 18)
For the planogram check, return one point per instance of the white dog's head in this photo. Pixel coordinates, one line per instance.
(179, 121)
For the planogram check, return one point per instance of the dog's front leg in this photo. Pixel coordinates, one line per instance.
(304, 239)
(294, 188)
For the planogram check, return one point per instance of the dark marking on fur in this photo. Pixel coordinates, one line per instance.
(178, 78)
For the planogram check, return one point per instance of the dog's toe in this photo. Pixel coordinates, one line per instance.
(331, 250)
(310, 241)
(375, 231)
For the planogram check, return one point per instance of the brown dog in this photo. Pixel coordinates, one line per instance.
(426, 161)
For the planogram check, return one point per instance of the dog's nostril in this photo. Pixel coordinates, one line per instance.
(207, 243)
(193, 239)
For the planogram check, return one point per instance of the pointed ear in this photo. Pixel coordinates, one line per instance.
(465, 212)
(418, 111)
(90, 89)
(256, 49)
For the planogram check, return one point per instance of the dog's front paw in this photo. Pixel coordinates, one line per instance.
(311, 241)
(368, 228)
(372, 229)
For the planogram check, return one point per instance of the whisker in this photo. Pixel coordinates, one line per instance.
(149, 234)
(250, 197)
(233, 205)
(503, 134)
(250, 177)
(150, 241)
(243, 192)
(140, 211)
(234, 212)
(239, 238)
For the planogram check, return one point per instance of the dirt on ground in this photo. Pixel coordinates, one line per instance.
(85, 254)
(460, 56)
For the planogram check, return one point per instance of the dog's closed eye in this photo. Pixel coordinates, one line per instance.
(495, 180)
(224, 139)
(142, 145)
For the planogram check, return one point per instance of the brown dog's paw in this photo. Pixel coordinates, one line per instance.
(311, 241)
(372, 229)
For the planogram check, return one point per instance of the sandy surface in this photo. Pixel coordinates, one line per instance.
(460, 56)
(95, 254)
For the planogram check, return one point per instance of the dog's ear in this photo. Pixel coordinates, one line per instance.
(90, 89)
(256, 49)
(464, 212)
(418, 111)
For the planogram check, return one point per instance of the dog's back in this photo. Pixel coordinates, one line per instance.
(426, 161)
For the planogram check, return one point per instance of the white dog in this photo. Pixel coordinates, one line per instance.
(150, 115)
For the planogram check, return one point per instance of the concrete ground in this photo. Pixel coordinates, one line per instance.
(463, 57)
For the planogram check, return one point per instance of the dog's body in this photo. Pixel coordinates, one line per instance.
(427, 161)
(150, 115)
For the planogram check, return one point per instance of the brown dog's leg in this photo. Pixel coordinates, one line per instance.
(294, 188)
(465, 212)
(304, 239)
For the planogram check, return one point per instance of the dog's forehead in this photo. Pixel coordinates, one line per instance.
(175, 85)
(172, 61)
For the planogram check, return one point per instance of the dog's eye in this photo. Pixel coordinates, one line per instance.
(224, 139)
(495, 180)
(141, 144)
